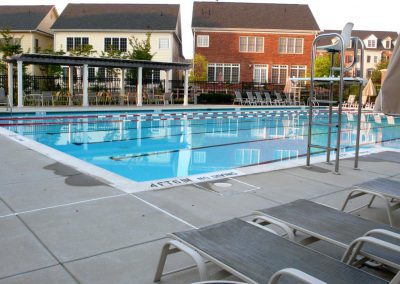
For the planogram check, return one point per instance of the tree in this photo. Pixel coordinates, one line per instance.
(141, 50)
(199, 71)
(376, 74)
(82, 50)
(51, 70)
(9, 46)
(323, 65)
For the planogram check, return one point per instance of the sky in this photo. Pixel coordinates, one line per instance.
(365, 14)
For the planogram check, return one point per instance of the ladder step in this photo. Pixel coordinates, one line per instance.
(324, 101)
(322, 147)
(325, 124)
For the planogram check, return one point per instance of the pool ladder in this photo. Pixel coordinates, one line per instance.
(339, 48)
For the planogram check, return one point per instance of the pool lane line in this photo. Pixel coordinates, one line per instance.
(127, 157)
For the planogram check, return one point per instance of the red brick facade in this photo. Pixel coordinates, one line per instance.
(224, 48)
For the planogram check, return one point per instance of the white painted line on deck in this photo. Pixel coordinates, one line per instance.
(63, 205)
(164, 211)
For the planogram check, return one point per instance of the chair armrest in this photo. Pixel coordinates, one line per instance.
(296, 274)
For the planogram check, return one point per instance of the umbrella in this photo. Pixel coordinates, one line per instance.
(369, 91)
(388, 100)
(288, 87)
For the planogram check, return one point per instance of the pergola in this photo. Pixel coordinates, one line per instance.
(86, 62)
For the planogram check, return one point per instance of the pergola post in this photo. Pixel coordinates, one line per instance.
(10, 84)
(121, 101)
(70, 84)
(85, 83)
(168, 79)
(20, 84)
(139, 101)
(186, 89)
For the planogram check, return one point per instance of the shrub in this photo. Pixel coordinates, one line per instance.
(215, 98)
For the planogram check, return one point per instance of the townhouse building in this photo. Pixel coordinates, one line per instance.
(378, 46)
(254, 42)
(30, 27)
(113, 25)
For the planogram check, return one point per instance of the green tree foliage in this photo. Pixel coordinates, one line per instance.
(51, 70)
(8, 46)
(376, 75)
(199, 71)
(323, 64)
(83, 50)
(141, 50)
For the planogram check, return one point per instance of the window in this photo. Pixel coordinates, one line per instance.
(290, 45)
(369, 72)
(368, 59)
(375, 59)
(36, 47)
(91, 74)
(203, 41)
(115, 43)
(76, 42)
(298, 71)
(387, 44)
(223, 72)
(163, 43)
(279, 74)
(260, 73)
(371, 43)
(251, 44)
(349, 58)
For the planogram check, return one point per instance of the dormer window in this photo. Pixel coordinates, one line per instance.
(388, 44)
(371, 43)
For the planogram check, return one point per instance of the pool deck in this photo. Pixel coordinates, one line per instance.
(59, 225)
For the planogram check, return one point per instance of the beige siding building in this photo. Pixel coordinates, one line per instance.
(113, 25)
(30, 25)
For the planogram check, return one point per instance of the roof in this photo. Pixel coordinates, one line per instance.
(364, 34)
(24, 18)
(47, 59)
(230, 15)
(118, 17)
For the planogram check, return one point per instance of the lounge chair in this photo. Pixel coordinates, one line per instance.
(385, 189)
(47, 98)
(351, 101)
(335, 227)
(259, 98)
(279, 99)
(93, 98)
(250, 98)
(254, 255)
(268, 99)
(238, 98)
(168, 98)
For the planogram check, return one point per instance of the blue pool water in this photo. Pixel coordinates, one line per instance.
(156, 145)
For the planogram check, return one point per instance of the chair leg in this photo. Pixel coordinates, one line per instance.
(174, 247)
(370, 202)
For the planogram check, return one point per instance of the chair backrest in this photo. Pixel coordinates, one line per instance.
(2, 95)
(250, 95)
(168, 96)
(258, 95)
(267, 96)
(238, 95)
(278, 96)
(346, 34)
(46, 95)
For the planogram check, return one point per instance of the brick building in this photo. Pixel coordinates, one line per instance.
(254, 42)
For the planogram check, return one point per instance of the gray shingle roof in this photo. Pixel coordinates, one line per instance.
(253, 16)
(118, 17)
(22, 17)
(363, 34)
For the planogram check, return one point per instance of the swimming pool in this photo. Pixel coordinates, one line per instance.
(154, 145)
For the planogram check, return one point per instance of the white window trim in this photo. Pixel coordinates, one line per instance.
(198, 42)
(287, 45)
(261, 66)
(304, 67)
(247, 44)
(223, 66)
(280, 65)
(159, 43)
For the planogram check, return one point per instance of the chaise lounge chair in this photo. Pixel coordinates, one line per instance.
(254, 255)
(250, 98)
(238, 98)
(335, 227)
(385, 189)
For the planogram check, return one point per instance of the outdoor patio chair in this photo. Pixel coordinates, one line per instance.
(254, 255)
(250, 98)
(386, 189)
(3, 98)
(238, 98)
(279, 99)
(168, 98)
(268, 99)
(47, 98)
(288, 100)
(92, 97)
(335, 227)
(259, 98)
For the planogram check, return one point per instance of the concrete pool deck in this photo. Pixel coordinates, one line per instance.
(59, 225)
